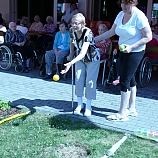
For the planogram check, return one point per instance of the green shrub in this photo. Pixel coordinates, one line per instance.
(4, 105)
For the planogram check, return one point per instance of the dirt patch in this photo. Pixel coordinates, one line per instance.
(64, 151)
(7, 113)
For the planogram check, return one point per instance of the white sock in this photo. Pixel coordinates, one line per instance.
(124, 102)
(88, 104)
(132, 99)
(27, 62)
(80, 102)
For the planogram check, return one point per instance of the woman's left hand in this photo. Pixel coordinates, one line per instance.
(68, 65)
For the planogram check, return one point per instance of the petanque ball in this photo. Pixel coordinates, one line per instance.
(56, 77)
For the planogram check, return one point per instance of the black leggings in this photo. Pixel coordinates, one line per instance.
(129, 63)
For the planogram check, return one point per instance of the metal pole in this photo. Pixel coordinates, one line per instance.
(72, 69)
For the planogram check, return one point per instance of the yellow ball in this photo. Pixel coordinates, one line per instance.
(122, 47)
(56, 77)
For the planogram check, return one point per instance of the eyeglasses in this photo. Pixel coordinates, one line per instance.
(75, 23)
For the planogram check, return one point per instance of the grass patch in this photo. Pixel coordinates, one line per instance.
(44, 136)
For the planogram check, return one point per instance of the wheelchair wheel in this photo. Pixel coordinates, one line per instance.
(19, 68)
(145, 72)
(5, 57)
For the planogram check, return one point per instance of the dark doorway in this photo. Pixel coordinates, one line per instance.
(41, 8)
(109, 9)
(36, 7)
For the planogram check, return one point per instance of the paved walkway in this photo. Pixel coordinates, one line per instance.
(31, 91)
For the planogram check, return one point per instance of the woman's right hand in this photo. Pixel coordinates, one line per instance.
(114, 51)
(68, 65)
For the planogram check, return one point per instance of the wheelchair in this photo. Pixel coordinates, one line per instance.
(9, 57)
(143, 72)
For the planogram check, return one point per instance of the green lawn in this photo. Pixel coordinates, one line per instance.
(45, 136)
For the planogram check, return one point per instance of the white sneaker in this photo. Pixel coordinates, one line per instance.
(132, 113)
(88, 113)
(78, 109)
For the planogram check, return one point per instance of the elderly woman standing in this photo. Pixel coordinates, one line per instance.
(133, 29)
(87, 62)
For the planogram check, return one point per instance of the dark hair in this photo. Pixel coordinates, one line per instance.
(156, 25)
(135, 2)
(72, 4)
(63, 22)
(24, 22)
(1, 21)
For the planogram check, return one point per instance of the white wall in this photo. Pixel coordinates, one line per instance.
(4, 9)
(85, 7)
(149, 10)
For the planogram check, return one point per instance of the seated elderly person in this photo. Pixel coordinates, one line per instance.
(36, 25)
(17, 39)
(95, 29)
(22, 27)
(152, 46)
(103, 45)
(154, 41)
(49, 37)
(61, 49)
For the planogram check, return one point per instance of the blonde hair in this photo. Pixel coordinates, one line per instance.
(81, 17)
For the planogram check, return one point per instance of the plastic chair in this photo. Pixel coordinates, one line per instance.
(104, 61)
(107, 23)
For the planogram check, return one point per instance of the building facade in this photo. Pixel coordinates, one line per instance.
(13, 10)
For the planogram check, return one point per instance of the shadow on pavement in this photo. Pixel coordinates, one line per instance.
(56, 106)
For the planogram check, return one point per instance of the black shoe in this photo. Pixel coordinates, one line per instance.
(48, 77)
(65, 76)
(35, 63)
(42, 67)
(42, 73)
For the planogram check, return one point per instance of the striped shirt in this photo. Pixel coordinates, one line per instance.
(18, 37)
(87, 36)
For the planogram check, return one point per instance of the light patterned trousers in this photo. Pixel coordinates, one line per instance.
(86, 72)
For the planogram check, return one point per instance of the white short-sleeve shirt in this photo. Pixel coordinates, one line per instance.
(130, 33)
(69, 15)
(23, 29)
(2, 28)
